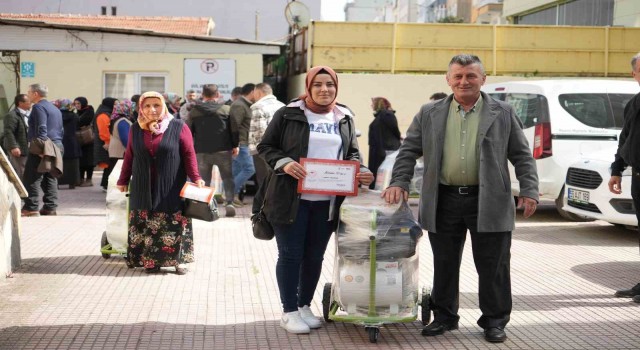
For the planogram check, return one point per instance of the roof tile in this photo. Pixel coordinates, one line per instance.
(174, 25)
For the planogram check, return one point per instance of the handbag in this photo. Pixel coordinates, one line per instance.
(262, 229)
(200, 210)
(85, 135)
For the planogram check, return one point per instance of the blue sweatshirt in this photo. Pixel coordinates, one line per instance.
(45, 122)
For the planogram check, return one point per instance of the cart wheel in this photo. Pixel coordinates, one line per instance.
(425, 305)
(326, 302)
(374, 332)
(103, 242)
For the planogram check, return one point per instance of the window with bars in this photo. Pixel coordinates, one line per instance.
(125, 84)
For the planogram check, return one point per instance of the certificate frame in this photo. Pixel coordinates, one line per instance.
(313, 166)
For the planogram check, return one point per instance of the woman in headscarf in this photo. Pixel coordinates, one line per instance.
(72, 151)
(384, 135)
(314, 126)
(85, 118)
(173, 103)
(158, 159)
(119, 127)
(101, 139)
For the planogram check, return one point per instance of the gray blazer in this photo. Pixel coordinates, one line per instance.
(500, 138)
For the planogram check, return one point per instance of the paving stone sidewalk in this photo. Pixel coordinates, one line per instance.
(66, 296)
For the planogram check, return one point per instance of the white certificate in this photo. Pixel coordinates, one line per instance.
(332, 177)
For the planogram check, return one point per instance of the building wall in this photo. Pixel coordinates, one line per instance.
(626, 13)
(512, 7)
(73, 74)
(234, 19)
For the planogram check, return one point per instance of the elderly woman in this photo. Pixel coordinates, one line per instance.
(384, 135)
(119, 128)
(314, 126)
(158, 159)
(72, 151)
(102, 137)
(173, 103)
(85, 119)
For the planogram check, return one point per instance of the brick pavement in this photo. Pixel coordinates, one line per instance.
(66, 296)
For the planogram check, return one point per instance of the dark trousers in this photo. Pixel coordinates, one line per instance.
(223, 160)
(34, 182)
(86, 172)
(301, 248)
(635, 194)
(107, 171)
(456, 214)
(18, 164)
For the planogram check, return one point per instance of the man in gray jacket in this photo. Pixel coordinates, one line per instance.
(466, 140)
(15, 133)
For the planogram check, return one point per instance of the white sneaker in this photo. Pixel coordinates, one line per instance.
(309, 318)
(293, 323)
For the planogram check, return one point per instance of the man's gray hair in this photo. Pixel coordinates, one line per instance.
(465, 60)
(41, 89)
(191, 91)
(634, 60)
(265, 88)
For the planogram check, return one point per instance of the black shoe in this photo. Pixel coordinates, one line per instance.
(47, 212)
(495, 335)
(636, 299)
(437, 328)
(628, 293)
(152, 269)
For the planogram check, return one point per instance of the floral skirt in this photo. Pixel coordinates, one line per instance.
(159, 239)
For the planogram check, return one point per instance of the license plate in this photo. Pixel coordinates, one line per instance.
(578, 196)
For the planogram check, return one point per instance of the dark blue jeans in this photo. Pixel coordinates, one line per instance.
(301, 248)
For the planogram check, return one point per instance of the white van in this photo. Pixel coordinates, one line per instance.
(564, 120)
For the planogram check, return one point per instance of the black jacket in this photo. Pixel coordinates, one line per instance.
(212, 128)
(287, 136)
(69, 140)
(241, 112)
(629, 141)
(15, 132)
(384, 135)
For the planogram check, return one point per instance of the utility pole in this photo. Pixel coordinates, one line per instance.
(257, 22)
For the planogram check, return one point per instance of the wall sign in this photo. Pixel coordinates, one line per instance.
(27, 69)
(201, 71)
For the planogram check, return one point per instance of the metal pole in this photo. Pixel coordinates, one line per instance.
(606, 51)
(257, 21)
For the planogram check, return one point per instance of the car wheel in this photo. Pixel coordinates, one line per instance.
(567, 215)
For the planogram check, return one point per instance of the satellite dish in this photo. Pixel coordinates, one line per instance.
(297, 15)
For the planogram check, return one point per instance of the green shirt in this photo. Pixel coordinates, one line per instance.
(461, 154)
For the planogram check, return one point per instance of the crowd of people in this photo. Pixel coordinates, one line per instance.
(466, 139)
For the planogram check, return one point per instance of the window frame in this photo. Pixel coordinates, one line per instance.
(137, 80)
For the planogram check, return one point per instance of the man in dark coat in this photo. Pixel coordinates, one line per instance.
(215, 139)
(45, 123)
(15, 133)
(629, 154)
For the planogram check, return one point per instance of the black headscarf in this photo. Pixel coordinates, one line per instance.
(83, 102)
(106, 106)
